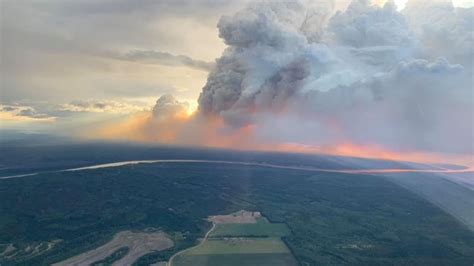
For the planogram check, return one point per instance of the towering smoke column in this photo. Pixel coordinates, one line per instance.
(268, 59)
(299, 72)
(366, 80)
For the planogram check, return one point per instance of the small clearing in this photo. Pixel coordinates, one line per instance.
(240, 217)
(262, 228)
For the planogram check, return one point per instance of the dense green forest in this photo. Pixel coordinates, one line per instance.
(333, 218)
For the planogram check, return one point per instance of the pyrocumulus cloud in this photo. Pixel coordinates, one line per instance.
(301, 72)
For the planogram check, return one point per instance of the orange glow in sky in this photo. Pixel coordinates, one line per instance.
(377, 152)
(194, 130)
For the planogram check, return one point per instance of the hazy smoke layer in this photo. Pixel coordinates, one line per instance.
(297, 71)
(164, 58)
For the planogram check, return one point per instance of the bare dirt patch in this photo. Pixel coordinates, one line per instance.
(240, 217)
(139, 244)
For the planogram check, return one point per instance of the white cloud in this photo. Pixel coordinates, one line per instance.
(101, 106)
(21, 113)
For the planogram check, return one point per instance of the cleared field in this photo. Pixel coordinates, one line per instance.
(241, 238)
(262, 228)
(240, 246)
(238, 251)
(271, 259)
(138, 244)
(240, 217)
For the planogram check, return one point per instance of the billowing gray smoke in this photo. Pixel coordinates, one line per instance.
(301, 72)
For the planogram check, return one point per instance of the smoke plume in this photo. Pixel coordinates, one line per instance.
(298, 72)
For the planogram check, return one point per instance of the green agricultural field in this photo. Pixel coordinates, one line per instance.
(232, 251)
(241, 246)
(272, 259)
(260, 229)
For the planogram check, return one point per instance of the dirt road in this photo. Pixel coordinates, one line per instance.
(170, 262)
